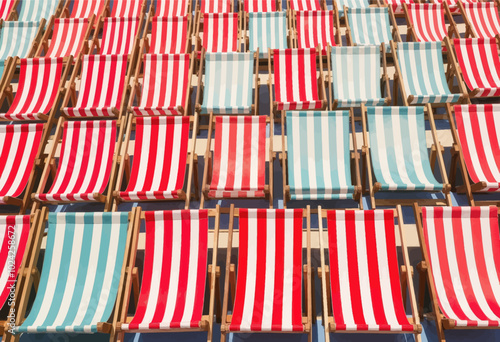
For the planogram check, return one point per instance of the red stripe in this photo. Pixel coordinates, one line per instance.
(242, 270)
(333, 252)
(279, 269)
(260, 281)
(297, 271)
(202, 268)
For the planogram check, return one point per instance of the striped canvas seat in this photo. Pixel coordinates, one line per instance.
(85, 8)
(239, 159)
(319, 161)
(35, 10)
(480, 65)
(370, 26)
(118, 35)
(35, 95)
(81, 273)
(228, 83)
(453, 4)
(397, 5)
(127, 8)
(423, 74)
(87, 150)
(260, 6)
(428, 22)
(314, 28)
(356, 76)
(168, 35)
(68, 37)
(220, 32)
(295, 82)
(478, 129)
(364, 272)
(215, 6)
(267, 31)
(176, 241)
(171, 8)
(269, 280)
(16, 38)
(100, 93)
(159, 163)
(305, 5)
(19, 146)
(352, 4)
(464, 253)
(14, 232)
(6, 8)
(484, 19)
(398, 149)
(164, 90)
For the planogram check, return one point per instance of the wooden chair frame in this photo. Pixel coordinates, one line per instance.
(230, 278)
(406, 276)
(130, 282)
(13, 15)
(124, 166)
(207, 170)
(436, 153)
(292, 24)
(355, 173)
(65, 13)
(469, 32)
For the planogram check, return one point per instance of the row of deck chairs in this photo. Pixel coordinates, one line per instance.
(90, 274)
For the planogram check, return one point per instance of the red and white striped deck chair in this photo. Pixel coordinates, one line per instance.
(316, 28)
(172, 8)
(365, 283)
(220, 32)
(86, 8)
(453, 4)
(101, 87)
(479, 65)
(461, 250)
(119, 36)
(169, 35)
(37, 94)
(8, 9)
(85, 163)
(260, 6)
(397, 5)
(177, 249)
(482, 19)
(215, 6)
(426, 22)
(19, 148)
(306, 5)
(128, 8)
(269, 281)
(158, 170)
(295, 80)
(166, 85)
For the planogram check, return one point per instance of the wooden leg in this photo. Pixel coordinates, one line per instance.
(232, 281)
(195, 176)
(421, 289)
(36, 278)
(395, 91)
(404, 284)
(452, 178)
(432, 157)
(135, 285)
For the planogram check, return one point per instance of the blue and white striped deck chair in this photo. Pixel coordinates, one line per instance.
(423, 75)
(351, 4)
(356, 76)
(81, 272)
(319, 155)
(369, 26)
(267, 31)
(35, 10)
(16, 38)
(229, 79)
(398, 149)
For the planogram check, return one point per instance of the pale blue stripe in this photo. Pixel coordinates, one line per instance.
(16, 37)
(33, 10)
(275, 26)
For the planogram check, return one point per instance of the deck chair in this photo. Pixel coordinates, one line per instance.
(481, 19)
(221, 33)
(476, 150)
(454, 6)
(396, 157)
(356, 77)
(261, 6)
(65, 37)
(162, 150)
(102, 87)
(318, 161)
(296, 84)
(87, 163)
(86, 8)
(35, 10)
(86, 256)
(268, 294)
(172, 8)
(426, 22)
(397, 6)
(20, 39)
(168, 35)
(178, 239)
(362, 285)
(420, 74)
(8, 9)
(237, 166)
(228, 84)
(215, 6)
(120, 36)
(371, 26)
(306, 5)
(128, 8)
(19, 149)
(36, 98)
(267, 31)
(166, 85)
(461, 254)
(313, 28)
(478, 66)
